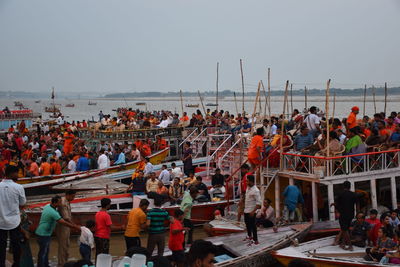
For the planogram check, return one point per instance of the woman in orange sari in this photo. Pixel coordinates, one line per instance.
(274, 154)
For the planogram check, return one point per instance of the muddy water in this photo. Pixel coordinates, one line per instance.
(117, 245)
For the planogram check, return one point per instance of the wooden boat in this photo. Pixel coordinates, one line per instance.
(52, 109)
(18, 104)
(321, 253)
(51, 180)
(323, 229)
(192, 105)
(84, 209)
(233, 252)
(222, 226)
(211, 105)
(70, 105)
(140, 103)
(37, 101)
(92, 103)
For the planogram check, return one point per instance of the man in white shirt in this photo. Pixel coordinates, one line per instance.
(60, 120)
(149, 168)
(312, 121)
(103, 161)
(12, 197)
(252, 203)
(135, 153)
(165, 176)
(86, 240)
(266, 215)
(57, 153)
(71, 164)
(176, 171)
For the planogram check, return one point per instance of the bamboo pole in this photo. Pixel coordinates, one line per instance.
(266, 99)
(305, 97)
(283, 124)
(216, 100)
(202, 105)
(365, 98)
(373, 96)
(255, 107)
(241, 74)
(269, 93)
(291, 96)
(236, 105)
(327, 116)
(384, 110)
(334, 105)
(180, 92)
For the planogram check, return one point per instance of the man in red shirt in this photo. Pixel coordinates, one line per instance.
(103, 228)
(176, 238)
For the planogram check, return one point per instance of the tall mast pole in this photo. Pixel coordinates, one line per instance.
(241, 74)
(216, 100)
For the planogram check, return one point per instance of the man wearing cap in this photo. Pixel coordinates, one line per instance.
(352, 118)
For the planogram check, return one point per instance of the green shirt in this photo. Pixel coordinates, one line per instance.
(353, 142)
(186, 205)
(157, 219)
(48, 221)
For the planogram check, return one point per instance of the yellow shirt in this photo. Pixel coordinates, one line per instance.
(136, 217)
(152, 186)
(275, 140)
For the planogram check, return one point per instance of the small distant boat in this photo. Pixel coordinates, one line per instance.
(52, 109)
(37, 101)
(71, 105)
(18, 104)
(211, 105)
(140, 104)
(92, 103)
(192, 105)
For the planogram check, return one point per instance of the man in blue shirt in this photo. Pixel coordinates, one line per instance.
(292, 196)
(83, 163)
(303, 140)
(121, 157)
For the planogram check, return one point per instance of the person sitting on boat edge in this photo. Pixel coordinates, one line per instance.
(152, 183)
(138, 185)
(121, 157)
(266, 215)
(375, 225)
(217, 183)
(384, 244)
(203, 196)
(176, 192)
(359, 229)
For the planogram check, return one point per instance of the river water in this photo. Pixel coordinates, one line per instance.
(83, 111)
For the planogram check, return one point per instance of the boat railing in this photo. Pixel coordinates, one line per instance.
(16, 114)
(202, 133)
(130, 134)
(195, 130)
(321, 166)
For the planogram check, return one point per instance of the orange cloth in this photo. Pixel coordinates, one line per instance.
(45, 169)
(184, 118)
(367, 132)
(146, 150)
(68, 139)
(28, 154)
(56, 168)
(162, 144)
(383, 132)
(136, 218)
(162, 191)
(256, 146)
(352, 120)
(34, 169)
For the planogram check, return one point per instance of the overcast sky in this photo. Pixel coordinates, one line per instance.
(126, 45)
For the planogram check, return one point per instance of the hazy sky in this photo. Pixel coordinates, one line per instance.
(125, 45)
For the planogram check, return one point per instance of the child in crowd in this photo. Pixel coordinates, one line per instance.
(86, 240)
(176, 239)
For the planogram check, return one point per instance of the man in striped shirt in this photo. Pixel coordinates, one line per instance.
(156, 218)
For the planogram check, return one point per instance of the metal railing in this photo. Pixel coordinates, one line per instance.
(188, 137)
(342, 165)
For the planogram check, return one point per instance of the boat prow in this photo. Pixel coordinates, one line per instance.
(321, 252)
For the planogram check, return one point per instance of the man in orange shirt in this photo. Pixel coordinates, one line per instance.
(256, 148)
(146, 150)
(68, 140)
(55, 166)
(352, 118)
(45, 168)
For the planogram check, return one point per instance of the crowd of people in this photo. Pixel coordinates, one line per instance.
(57, 149)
